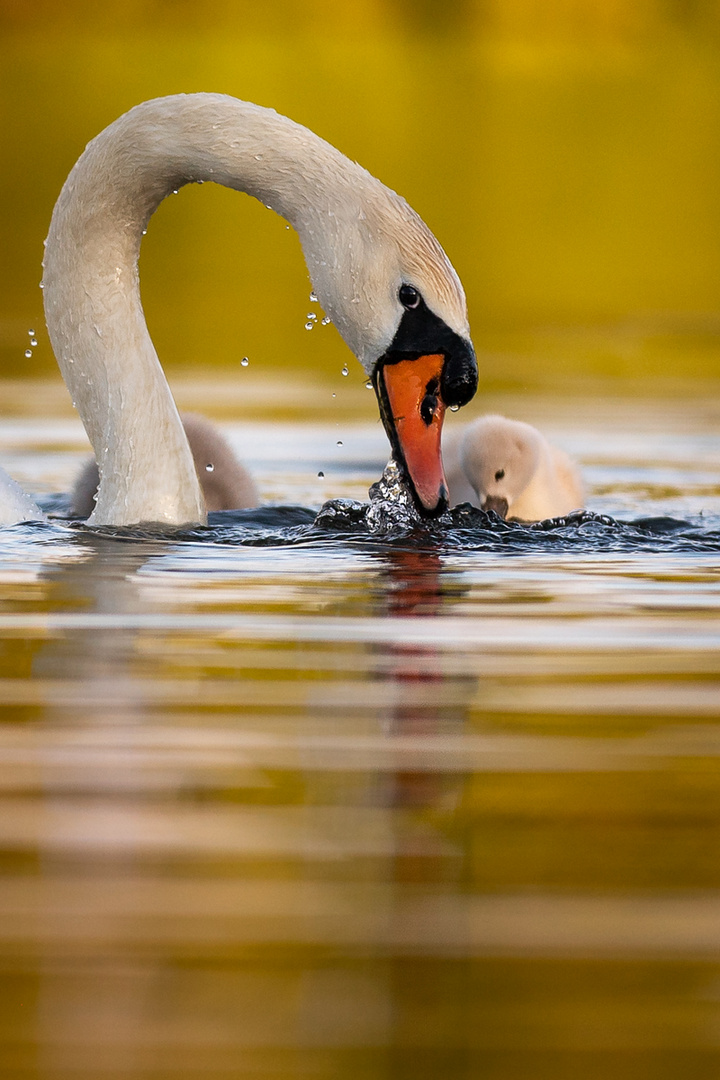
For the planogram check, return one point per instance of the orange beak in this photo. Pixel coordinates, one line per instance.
(414, 424)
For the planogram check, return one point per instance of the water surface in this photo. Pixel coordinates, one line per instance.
(284, 797)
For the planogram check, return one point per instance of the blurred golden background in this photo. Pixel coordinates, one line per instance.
(565, 152)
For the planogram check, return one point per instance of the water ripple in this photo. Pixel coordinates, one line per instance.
(463, 529)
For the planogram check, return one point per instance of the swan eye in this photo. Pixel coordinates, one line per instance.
(408, 296)
(499, 474)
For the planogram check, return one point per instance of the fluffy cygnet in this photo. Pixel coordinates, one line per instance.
(226, 484)
(508, 466)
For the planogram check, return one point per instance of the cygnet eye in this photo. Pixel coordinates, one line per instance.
(499, 474)
(408, 296)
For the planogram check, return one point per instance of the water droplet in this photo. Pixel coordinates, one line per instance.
(321, 474)
(313, 298)
(244, 362)
(175, 191)
(326, 321)
(199, 181)
(334, 395)
(28, 354)
(345, 370)
(209, 468)
(144, 232)
(339, 442)
(33, 342)
(454, 408)
(42, 284)
(368, 385)
(31, 333)
(311, 316)
(309, 325)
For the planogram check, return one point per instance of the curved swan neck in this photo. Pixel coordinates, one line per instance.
(91, 288)
(360, 241)
(162, 144)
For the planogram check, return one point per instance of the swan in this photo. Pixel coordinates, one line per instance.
(509, 467)
(375, 267)
(225, 483)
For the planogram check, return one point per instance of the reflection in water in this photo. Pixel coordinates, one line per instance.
(414, 587)
(428, 863)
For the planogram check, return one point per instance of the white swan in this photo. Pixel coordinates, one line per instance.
(377, 270)
(226, 484)
(508, 466)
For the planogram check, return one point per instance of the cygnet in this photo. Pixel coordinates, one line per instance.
(509, 467)
(226, 484)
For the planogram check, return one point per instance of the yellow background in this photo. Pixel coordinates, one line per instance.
(565, 152)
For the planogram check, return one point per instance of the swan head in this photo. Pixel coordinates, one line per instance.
(395, 298)
(500, 458)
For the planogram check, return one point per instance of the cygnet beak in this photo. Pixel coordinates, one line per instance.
(496, 503)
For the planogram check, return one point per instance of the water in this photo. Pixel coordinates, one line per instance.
(287, 797)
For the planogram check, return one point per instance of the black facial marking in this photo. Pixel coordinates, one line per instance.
(459, 378)
(499, 474)
(422, 333)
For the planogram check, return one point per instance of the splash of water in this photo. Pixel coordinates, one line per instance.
(391, 504)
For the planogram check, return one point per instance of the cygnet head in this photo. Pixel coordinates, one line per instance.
(500, 457)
